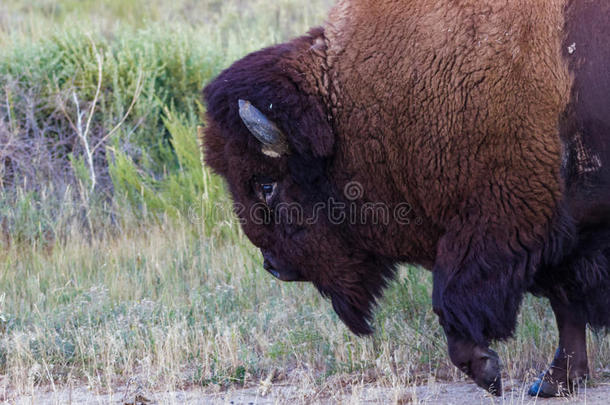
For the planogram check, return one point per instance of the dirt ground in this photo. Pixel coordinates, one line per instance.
(440, 393)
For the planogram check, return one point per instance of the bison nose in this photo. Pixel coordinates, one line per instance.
(280, 272)
(267, 266)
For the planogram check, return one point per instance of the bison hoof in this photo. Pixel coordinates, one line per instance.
(487, 371)
(545, 387)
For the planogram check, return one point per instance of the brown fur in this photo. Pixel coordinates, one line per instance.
(475, 101)
(468, 111)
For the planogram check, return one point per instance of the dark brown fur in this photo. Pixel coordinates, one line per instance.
(479, 115)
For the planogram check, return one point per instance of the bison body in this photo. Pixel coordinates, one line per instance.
(487, 122)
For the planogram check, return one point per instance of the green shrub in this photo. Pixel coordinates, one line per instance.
(102, 112)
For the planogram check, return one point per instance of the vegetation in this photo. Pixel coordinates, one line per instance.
(119, 255)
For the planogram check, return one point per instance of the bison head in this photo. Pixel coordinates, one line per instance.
(269, 135)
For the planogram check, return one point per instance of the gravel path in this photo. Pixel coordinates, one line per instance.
(441, 393)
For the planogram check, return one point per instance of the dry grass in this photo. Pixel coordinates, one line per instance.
(170, 310)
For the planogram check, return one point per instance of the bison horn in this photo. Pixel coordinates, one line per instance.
(273, 139)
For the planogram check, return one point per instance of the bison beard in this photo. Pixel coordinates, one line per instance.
(354, 297)
(498, 142)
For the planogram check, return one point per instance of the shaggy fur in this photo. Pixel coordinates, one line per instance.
(481, 115)
(583, 279)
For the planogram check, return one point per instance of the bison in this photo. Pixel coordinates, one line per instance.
(489, 120)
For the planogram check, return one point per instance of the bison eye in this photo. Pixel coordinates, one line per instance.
(268, 192)
(265, 191)
(267, 188)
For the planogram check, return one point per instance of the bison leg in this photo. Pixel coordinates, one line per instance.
(479, 362)
(478, 288)
(569, 367)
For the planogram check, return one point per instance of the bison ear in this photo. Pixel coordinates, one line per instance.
(312, 131)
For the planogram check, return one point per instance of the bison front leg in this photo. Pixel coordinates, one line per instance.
(478, 288)
(570, 366)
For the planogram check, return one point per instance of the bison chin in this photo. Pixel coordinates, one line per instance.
(354, 299)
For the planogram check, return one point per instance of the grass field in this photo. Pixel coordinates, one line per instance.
(120, 260)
